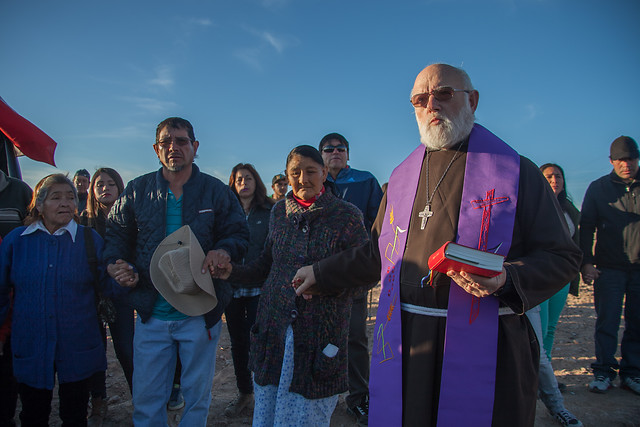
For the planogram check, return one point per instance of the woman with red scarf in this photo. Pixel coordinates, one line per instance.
(299, 346)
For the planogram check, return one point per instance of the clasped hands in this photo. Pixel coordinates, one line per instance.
(123, 273)
(218, 264)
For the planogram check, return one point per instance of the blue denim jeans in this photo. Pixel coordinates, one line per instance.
(547, 383)
(156, 346)
(241, 315)
(609, 291)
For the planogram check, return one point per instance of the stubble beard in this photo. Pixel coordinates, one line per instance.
(449, 132)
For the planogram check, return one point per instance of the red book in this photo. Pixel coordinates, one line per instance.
(452, 256)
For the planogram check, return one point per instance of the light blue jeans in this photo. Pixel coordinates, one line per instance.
(547, 383)
(156, 346)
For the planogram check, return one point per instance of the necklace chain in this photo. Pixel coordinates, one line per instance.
(427, 212)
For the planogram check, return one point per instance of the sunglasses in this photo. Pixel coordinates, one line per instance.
(444, 93)
(331, 148)
(179, 141)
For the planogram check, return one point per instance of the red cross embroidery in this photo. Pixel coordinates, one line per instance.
(484, 204)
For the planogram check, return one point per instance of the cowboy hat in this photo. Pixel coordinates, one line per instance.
(176, 272)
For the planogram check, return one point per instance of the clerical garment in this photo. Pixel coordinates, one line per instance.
(541, 260)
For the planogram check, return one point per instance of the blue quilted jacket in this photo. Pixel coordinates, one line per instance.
(137, 224)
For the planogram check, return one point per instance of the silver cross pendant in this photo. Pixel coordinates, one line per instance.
(425, 214)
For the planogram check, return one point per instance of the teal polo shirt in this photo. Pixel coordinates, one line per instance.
(162, 309)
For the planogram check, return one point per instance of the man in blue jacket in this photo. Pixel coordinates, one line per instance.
(362, 189)
(152, 207)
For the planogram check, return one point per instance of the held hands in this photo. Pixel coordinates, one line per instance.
(589, 273)
(123, 273)
(218, 263)
(303, 280)
(478, 286)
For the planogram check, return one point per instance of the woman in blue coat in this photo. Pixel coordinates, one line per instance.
(55, 328)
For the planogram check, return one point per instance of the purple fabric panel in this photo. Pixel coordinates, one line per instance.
(468, 373)
(385, 384)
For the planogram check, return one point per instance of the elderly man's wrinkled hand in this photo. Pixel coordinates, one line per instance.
(478, 286)
(123, 273)
(218, 264)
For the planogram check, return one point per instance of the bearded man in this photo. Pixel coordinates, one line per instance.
(465, 185)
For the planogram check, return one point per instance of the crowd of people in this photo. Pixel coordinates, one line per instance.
(161, 260)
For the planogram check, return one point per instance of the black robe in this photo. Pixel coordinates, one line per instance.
(541, 260)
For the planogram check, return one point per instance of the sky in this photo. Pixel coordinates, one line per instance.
(558, 79)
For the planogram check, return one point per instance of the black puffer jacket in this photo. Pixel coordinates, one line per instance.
(611, 209)
(137, 224)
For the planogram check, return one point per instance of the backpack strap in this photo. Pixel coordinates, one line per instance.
(93, 260)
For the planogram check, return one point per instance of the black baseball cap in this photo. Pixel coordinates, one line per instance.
(624, 147)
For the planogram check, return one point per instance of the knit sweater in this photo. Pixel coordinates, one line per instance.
(298, 237)
(55, 325)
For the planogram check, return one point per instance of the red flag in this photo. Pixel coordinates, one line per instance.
(30, 140)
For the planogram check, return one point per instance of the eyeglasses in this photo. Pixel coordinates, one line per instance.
(444, 93)
(180, 141)
(331, 148)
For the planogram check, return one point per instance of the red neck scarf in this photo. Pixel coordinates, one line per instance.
(306, 203)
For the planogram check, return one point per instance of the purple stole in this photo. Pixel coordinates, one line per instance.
(487, 215)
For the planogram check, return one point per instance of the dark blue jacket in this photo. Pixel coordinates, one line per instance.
(137, 224)
(360, 188)
(54, 324)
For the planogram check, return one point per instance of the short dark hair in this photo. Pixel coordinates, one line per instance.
(331, 136)
(82, 172)
(260, 195)
(305, 151)
(176, 123)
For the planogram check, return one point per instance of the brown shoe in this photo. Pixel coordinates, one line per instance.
(98, 412)
(237, 406)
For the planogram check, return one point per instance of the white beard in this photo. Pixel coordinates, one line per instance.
(449, 132)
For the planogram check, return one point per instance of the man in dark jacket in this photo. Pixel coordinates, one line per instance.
(362, 189)
(611, 210)
(152, 207)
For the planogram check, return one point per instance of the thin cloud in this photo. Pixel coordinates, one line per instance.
(531, 112)
(278, 42)
(249, 56)
(203, 22)
(152, 105)
(125, 132)
(272, 4)
(163, 78)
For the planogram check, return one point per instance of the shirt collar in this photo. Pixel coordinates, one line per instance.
(71, 228)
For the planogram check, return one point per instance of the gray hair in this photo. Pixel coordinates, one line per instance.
(42, 191)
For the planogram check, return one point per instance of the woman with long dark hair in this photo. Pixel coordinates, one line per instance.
(247, 185)
(550, 309)
(544, 317)
(105, 188)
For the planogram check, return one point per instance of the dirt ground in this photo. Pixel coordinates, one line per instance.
(573, 354)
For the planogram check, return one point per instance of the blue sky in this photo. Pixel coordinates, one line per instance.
(558, 79)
